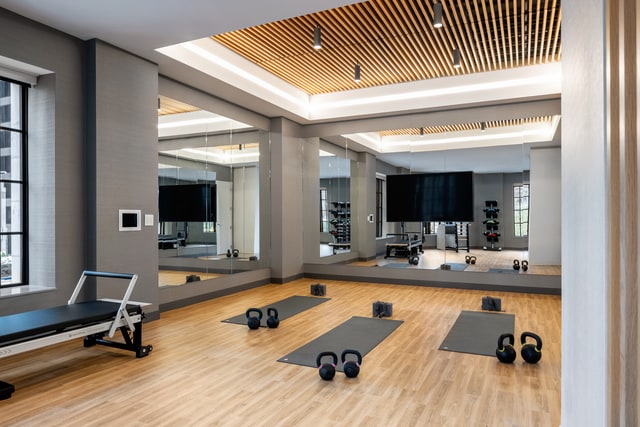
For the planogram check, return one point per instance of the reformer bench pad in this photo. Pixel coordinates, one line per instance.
(24, 326)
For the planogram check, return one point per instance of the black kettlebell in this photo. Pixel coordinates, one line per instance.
(253, 322)
(516, 264)
(228, 253)
(525, 265)
(351, 368)
(531, 353)
(506, 353)
(272, 319)
(327, 370)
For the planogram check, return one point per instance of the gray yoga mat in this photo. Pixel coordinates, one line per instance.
(358, 333)
(455, 266)
(477, 332)
(397, 265)
(286, 308)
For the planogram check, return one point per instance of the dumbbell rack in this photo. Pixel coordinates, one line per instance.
(341, 221)
(491, 223)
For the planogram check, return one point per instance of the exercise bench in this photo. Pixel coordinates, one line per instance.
(89, 319)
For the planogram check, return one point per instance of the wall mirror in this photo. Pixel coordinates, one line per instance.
(335, 199)
(209, 194)
(496, 233)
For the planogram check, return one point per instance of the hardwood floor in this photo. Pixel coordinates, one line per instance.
(206, 372)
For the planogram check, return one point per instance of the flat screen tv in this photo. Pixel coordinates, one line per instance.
(446, 197)
(187, 202)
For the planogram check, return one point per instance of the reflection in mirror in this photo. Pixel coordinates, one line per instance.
(498, 156)
(208, 194)
(335, 200)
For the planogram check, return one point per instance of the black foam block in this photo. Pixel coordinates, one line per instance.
(6, 390)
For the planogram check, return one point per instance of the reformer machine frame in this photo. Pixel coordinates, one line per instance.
(127, 318)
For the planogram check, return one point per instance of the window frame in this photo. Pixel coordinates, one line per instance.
(518, 210)
(23, 182)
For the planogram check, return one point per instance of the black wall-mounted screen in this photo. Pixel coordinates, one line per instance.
(446, 197)
(187, 202)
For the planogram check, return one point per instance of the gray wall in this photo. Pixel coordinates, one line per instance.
(287, 201)
(122, 174)
(56, 155)
(545, 219)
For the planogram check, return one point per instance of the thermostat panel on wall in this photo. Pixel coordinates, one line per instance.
(129, 219)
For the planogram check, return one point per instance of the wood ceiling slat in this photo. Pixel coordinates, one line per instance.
(394, 41)
(456, 34)
(557, 48)
(414, 39)
(498, 36)
(510, 37)
(469, 24)
(431, 39)
(482, 22)
(459, 127)
(399, 51)
(542, 28)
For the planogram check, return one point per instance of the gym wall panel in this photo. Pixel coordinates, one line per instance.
(585, 256)
(545, 202)
(122, 154)
(56, 154)
(286, 200)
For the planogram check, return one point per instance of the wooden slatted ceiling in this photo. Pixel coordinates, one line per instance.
(429, 130)
(394, 41)
(172, 106)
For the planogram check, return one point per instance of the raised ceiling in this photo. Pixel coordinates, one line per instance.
(394, 41)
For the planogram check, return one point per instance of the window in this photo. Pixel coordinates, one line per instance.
(208, 227)
(324, 211)
(12, 183)
(521, 210)
(379, 206)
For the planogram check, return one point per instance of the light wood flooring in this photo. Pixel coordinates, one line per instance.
(203, 372)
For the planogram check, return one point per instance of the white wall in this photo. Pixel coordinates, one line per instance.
(584, 219)
(245, 211)
(545, 205)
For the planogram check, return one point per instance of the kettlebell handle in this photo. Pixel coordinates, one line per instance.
(334, 358)
(503, 337)
(272, 312)
(254, 310)
(525, 335)
(343, 357)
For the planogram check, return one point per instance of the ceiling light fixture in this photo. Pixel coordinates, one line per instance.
(437, 15)
(356, 73)
(456, 58)
(317, 38)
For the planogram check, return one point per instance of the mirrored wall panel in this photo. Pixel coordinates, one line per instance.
(209, 194)
(460, 197)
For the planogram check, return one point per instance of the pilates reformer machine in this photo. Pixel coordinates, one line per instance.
(406, 247)
(89, 319)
